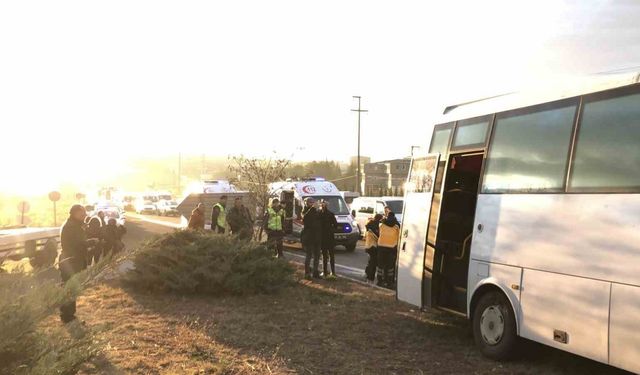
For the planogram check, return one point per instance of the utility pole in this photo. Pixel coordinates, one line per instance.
(359, 110)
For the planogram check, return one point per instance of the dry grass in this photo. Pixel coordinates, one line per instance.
(310, 328)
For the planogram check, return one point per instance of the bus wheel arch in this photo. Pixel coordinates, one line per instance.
(494, 322)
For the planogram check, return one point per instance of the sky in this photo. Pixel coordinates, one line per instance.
(86, 86)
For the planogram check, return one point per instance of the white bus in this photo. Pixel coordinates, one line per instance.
(525, 218)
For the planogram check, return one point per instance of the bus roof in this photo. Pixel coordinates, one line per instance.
(543, 94)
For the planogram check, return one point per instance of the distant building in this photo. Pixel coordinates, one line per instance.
(385, 177)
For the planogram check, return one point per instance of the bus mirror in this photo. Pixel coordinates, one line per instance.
(353, 213)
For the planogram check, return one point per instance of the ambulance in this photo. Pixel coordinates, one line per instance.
(292, 194)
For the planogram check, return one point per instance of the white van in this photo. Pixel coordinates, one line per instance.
(366, 207)
(292, 194)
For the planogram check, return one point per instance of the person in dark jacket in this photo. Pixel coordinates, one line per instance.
(94, 231)
(311, 237)
(240, 221)
(113, 234)
(327, 242)
(196, 220)
(73, 258)
(371, 246)
(388, 249)
(102, 218)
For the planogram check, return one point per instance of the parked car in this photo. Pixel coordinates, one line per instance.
(364, 208)
(167, 208)
(146, 207)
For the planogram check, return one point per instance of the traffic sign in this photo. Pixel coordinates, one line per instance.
(24, 207)
(54, 196)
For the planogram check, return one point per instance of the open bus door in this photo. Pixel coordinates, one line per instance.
(412, 253)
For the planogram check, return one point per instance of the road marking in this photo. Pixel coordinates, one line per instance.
(352, 269)
(388, 291)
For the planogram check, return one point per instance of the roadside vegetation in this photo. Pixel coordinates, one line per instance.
(196, 262)
(28, 343)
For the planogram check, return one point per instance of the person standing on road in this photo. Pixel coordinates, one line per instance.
(371, 246)
(196, 220)
(113, 237)
(240, 221)
(95, 232)
(73, 257)
(328, 241)
(387, 249)
(273, 220)
(103, 221)
(311, 237)
(219, 216)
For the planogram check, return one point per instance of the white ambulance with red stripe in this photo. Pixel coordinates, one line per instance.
(292, 194)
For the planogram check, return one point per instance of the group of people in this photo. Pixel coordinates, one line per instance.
(318, 236)
(107, 233)
(84, 241)
(238, 218)
(381, 243)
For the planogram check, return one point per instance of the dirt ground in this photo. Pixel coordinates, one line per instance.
(318, 327)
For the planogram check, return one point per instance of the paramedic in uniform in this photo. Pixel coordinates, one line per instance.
(387, 249)
(273, 219)
(371, 246)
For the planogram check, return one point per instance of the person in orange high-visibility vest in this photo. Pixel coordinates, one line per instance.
(371, 246)
(388, 249)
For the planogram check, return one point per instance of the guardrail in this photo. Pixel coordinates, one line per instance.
(40, 245)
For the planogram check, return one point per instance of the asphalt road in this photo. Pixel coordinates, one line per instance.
(141, 227)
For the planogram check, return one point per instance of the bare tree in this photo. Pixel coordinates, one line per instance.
(255, 175)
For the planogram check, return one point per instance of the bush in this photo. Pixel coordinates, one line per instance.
(195, 262)
(26, 345)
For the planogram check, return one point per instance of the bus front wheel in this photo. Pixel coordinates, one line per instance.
(494, 326)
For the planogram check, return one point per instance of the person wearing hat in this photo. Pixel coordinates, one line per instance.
(73, 258)
(311, 237)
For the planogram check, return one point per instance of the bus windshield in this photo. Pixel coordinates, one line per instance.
(335, 204)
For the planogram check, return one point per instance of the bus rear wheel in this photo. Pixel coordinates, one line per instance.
(494, 327)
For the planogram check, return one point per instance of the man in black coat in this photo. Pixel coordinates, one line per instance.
(240, 221)
(73, 258)
(328, 241)
(311, 237)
